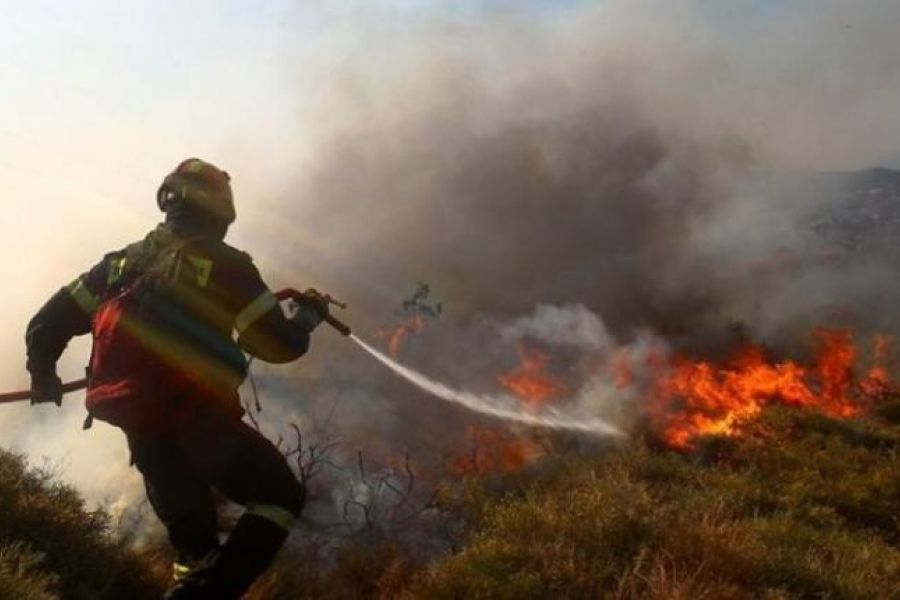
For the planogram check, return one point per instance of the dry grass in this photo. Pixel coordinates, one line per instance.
(51, 545)
(800, 507)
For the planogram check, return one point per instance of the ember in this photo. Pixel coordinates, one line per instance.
(495, 450)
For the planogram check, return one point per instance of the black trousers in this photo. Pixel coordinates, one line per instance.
(214, 450)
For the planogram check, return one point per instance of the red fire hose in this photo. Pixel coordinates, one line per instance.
(285, 294)
(72, 386)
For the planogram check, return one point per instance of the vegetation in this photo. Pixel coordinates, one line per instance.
(801, 506)
(52, 546)
(798, 506)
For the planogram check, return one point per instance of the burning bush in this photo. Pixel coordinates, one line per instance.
(800, 506)
(696, 397)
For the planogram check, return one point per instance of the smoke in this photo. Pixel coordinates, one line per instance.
(575, 326)
(618, 177)
(627, 177)
(632, 158)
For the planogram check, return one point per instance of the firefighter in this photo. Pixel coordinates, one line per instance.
(172, 316)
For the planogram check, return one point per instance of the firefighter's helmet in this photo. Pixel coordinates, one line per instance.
(200, 185)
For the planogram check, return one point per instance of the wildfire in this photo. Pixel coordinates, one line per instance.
(530, 381)
(697, 397)
(686, 398)
(877, 381)
(398, 335)
(495, 450)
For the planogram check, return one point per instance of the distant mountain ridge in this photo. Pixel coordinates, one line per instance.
(863, 210)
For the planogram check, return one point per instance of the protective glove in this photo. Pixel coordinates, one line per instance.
(46, 386)
(310, 310)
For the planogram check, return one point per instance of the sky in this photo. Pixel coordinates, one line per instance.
(99, 100)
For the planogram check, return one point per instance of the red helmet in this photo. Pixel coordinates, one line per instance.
(201, 185)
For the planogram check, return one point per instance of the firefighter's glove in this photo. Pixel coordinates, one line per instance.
(310, 310)
(46, 386)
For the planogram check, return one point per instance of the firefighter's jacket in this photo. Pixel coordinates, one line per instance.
(220, 293)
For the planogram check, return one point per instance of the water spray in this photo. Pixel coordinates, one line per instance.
(501, 406)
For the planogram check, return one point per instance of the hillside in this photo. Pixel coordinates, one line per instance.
(796, 506)
(52, 545)
(864, 212)
(799, 506)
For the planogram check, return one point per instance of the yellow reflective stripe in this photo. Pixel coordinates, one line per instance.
(83, 297)
(276, 514)
(253, 311)
(116, 268)
(203, 268)
(180, 571)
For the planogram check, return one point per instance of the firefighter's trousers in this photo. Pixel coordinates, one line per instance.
(216, 450)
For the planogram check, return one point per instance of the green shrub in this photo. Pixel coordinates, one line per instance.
(52, 544)
(21, 577)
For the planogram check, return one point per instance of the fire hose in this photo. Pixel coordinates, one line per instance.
(287, 294)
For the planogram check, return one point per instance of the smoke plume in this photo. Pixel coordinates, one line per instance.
(627, 177)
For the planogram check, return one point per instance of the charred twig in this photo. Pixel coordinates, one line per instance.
(309, 459)
(377, 499)
(249, 412)
(410, 477)
(362, 469)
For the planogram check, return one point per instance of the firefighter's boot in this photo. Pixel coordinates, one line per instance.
(228, 572)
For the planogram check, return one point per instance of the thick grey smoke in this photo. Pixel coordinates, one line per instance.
(630, 177)
(634, 158)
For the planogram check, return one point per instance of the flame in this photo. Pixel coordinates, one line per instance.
(696, 398)
(398, 335)
(877, 381)
(622, 370)
(529, 380)
(495, 450)
(687, 398)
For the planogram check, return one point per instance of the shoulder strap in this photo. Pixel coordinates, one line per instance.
(143, 258)
(167, 262)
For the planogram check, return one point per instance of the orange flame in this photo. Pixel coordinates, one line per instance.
(877, 380)
(697, 397)
(495, 450)
(398, 335)
(529, 380)
(690, 398)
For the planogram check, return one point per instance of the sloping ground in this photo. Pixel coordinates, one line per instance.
(800, 507)
(51, 546)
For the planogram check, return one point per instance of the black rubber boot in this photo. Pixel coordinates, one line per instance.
(228, 572)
